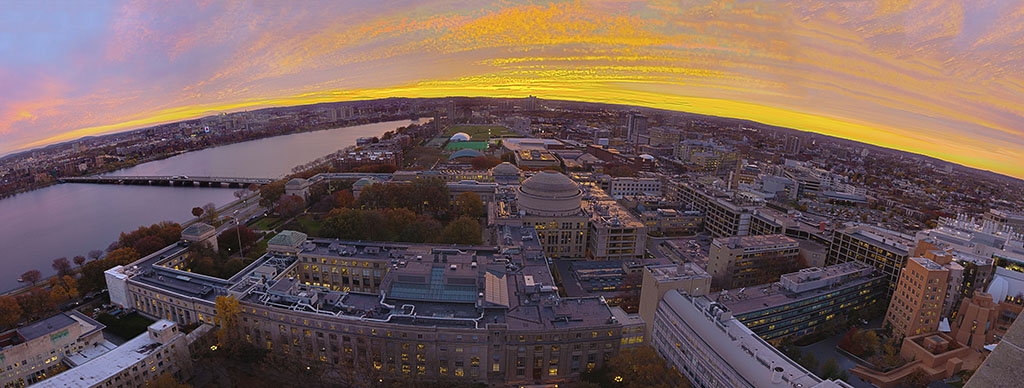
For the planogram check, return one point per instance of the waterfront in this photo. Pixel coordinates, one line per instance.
(72, 219)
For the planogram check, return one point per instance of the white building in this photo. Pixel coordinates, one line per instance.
(703, 341)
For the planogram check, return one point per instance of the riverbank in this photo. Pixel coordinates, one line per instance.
(167, 155)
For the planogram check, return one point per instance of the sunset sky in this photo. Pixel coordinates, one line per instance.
(943, 78)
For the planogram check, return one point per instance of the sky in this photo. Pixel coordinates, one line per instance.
(944, 78)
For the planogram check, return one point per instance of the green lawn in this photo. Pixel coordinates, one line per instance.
(305, 224)
(458, 145)
(479, 132)
(127, 326)
(265, 223)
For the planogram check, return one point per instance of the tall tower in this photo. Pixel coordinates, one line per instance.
(636, 124)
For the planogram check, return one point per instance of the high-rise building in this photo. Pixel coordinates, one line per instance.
(743, 261)
(884, 249)
(916, 306)
(636, 125)
(793, 144)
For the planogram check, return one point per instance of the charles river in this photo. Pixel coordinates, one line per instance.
(71, 219)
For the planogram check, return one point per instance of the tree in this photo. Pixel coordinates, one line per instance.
(95, 254)
(831, 371)
(621, 171)
(810, 362)
(636, 368)
(167, 380)
(10, 311)
(344, 199)
(123, 256)
(61, 265)
(463, 230)
(290, 205)
(36, 303)
(210, 213)
(484, 162)
(197, 212)
(229, 333)
(32, 276)
(228, 240)
(79, 260)
(469, 204)
(270, 193)
(59, 294)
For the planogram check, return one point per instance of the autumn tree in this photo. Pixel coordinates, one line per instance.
(167, 380)
(197, 212)
(271, 193)
(636, 368)
(32, 276)
(344, 199)
(831, 370)
(229, 333)
(468, 204)
(61, 265)
(95, 254)
(290, 205)
(228, 240)
(484, 162)
(10, 312)
(79, 260)
(37, 303)
(462, 230)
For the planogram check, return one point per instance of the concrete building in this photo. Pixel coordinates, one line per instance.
(34, 352)
(488, 315)
(1006, 220)
(916, 306)
(702, 340)
(751, 260)
(884, 249)
(298, 187)
(801, 302)
(163, 349)
(620, 187)
(725, 215)
(613, 233)
(636, 125)
(660, 279)
(552, 203)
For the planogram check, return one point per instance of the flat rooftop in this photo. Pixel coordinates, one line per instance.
(107, 365)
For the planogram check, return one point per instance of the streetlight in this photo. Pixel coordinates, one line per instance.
(238, 232)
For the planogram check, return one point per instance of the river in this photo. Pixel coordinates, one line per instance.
(73, 218)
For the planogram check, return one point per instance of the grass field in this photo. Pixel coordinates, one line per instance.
(266, 223)
(479, 132)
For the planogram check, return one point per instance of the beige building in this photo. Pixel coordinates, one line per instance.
(916, 305)
(659, 279)
(32, 353)
(163, 349)
(613, 232)
(552, 203)
(745, 261)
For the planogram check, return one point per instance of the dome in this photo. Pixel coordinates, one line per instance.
(465, 153)
(505, 169)
(461, 136)
(998, 289)
(549, 193)
(647, 157)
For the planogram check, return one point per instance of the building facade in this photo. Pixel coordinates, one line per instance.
(751, 260)
(886, 250)
(916, 306)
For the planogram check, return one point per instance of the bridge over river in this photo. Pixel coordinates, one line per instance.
(176, 180)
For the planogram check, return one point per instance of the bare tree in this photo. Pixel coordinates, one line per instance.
(61, 265)
(95, 254)
(32, 276)
(79, 260)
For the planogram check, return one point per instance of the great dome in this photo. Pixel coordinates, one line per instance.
(549, 193)
(505, 169)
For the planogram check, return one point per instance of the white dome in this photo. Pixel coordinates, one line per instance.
(998, 289)
(461, 136)
(646, 157)
(549, 193)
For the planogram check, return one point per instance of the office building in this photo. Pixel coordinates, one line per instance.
(724, 213)
(488, 315)
(36, 351)
(613, 233)
(801, 302)
(660, 279)
(916, 306)
(636, 125)
(702, 340)
(161, 350)
(883, 249)
(743, 261)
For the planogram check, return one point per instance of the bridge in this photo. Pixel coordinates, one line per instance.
(176, 180)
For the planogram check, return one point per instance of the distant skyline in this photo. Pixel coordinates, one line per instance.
(942, 78)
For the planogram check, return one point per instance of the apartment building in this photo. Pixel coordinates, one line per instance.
(916, 306)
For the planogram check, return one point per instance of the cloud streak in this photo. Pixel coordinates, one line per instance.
(943, 78)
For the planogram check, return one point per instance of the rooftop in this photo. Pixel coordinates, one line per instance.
(107, 365)
(768, 241)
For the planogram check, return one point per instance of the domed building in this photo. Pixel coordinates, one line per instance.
(505, 174)
(461, 136)
(549, 193)
(552, 203)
